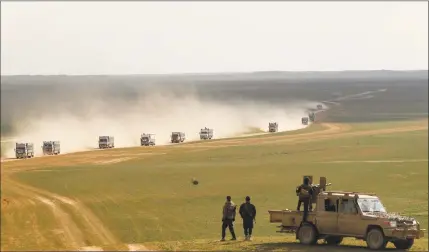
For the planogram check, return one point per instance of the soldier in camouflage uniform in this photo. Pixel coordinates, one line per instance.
(304, 192)
(228, 218)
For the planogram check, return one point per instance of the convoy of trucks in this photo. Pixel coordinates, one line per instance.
(106, 142)
(25, 150)
(206, 134)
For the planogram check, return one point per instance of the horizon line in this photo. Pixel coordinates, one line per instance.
(217, 73)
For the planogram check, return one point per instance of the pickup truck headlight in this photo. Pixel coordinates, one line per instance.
(392, 223)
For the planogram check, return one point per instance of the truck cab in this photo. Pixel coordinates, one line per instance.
(273, 127)
(177, 137)
(206, 134)
(311, 116)
(24, 150)
(51, 148)
(340, 214)
(105, 142)
(304, 120)
(147, 139)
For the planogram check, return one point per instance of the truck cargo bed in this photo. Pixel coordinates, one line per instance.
(289, 219)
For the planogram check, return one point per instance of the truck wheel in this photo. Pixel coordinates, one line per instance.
(375, 239)
(403, 244)
(307, 234)
(333, 240)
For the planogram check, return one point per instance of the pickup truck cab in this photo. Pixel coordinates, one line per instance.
(340, 214)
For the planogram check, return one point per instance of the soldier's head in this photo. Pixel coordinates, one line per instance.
(247, 199)
(306, 180)
(228, 198)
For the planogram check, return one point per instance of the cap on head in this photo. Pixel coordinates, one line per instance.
(228, 198)
(247, 198)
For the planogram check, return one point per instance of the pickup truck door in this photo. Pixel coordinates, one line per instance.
(327, 220)
(349, 219)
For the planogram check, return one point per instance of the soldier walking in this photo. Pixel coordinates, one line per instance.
(305, 192)
(228, 218)
(248, 213)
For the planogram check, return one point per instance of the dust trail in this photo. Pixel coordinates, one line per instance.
(159, 112)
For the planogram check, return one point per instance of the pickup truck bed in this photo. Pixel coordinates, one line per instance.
(290, 220)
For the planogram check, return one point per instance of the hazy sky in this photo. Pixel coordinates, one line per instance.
(175, 37)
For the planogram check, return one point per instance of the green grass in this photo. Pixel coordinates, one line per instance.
(286, 243)
(153, 200)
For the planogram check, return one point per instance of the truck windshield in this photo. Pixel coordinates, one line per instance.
(103, 140)
(20, 150)
(371, 205)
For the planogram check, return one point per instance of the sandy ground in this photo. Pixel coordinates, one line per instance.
(73, 234)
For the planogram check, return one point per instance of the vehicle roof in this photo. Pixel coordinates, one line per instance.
(350, 194)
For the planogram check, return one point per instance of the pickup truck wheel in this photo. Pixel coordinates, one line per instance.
(403, 244)
(307, 234)
(333, 240)
(375, 239)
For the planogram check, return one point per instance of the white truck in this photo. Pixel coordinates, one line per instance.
(273, 127)
(147, 139)
(24, 150)
(106, 142)
(177, 137)
(206, 133)
(304, 120)
(51, 148)
(319, 107)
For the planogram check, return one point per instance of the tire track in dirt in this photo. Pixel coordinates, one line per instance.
(74, 236)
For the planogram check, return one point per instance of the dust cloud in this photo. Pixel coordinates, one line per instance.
(157, 112)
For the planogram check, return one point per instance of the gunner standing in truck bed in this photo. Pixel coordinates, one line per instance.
(305, 192)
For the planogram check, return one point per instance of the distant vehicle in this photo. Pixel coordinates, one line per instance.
(273, 127)
(304, 120)
(106, 142)
(319, 107)
(51, 148)
(311, 116)
(177, 137)
(24, 150)
(206, 133)
(147, 139)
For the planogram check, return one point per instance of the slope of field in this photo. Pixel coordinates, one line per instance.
(126, 197)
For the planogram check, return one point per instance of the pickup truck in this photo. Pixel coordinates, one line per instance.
(340, 214)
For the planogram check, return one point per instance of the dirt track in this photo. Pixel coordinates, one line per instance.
(75, 234)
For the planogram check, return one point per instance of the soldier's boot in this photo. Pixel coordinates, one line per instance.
(249, 238)
(233, 236)
(223, 239)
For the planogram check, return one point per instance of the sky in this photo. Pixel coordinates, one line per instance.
(80, 38)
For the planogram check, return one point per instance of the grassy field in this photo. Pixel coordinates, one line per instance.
(145, 195)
